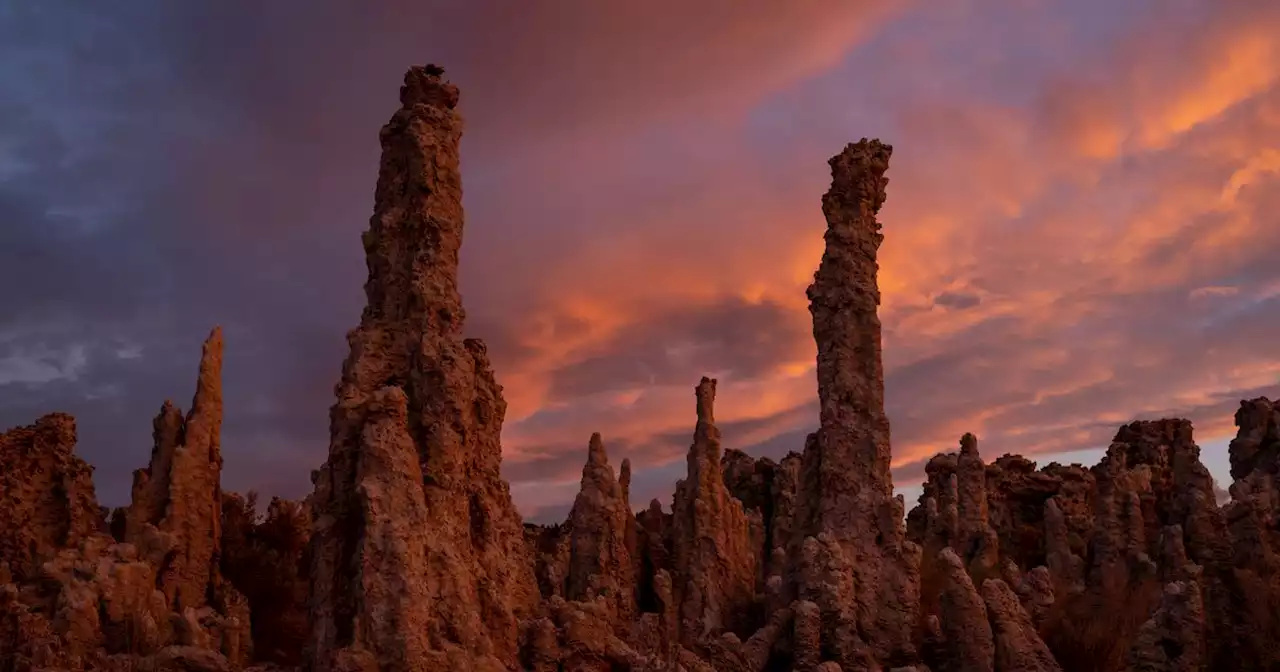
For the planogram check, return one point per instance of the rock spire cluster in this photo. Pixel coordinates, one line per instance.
(409, 555)
(153, 595)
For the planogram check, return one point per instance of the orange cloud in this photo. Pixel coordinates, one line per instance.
(1042, 284)
(1081, 226)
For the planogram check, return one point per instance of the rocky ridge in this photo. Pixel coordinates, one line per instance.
(410, 555)
(82, 599)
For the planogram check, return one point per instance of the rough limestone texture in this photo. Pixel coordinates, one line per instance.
(179, 492)
(848, 490)
(1173, 640)
(102, 604)
(962, 617)
(1039, 517)
(715, 541)
(1256, 447)
(1108, 537)
(979, 544)
(1018, 645)
(47, 500)
(599, 559)
(419, 561)
(1253, 581)
(90, 602)
(1255, 494)
(440, 552)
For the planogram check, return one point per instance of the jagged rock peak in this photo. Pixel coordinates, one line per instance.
(179, 492)
(414, 392)
(418, 207)
(163, 586)
(600, 555)
(713, 537)
(705, 454)
(205, 417)
(846, 483)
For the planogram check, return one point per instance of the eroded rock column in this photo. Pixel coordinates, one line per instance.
(180, 492)
(600, 563)
(715, 557)
(846, 478)
(413, 390)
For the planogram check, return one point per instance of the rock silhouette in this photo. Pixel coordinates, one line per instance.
(410, 556)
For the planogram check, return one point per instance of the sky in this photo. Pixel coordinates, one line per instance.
(1082, 226)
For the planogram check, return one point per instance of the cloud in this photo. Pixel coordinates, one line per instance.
(1080, 230)
(957, 300)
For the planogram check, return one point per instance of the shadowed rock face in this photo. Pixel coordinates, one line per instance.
(962, 617)
(418, 551)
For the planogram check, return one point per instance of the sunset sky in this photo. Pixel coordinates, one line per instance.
(1082, 229)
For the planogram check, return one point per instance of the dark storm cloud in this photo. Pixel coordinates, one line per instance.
(165, 167)
(957, 300)
(736, 339)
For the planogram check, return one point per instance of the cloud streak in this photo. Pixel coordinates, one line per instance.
(1081, 226)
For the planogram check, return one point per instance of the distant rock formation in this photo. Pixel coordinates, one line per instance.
(599, 558)
(1108, 538)
(102, 603)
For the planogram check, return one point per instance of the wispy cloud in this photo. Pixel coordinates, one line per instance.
(1081, 226)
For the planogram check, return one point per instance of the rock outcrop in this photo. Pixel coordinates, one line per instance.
(418, 553)
(847, 490)
(966, 637)
(599, 558)
(1018, 645)
(180, 495)
(101, 603)
(1173, 639)
(1107, 539)
(409, 555)
(47, 500)
(715, 543)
